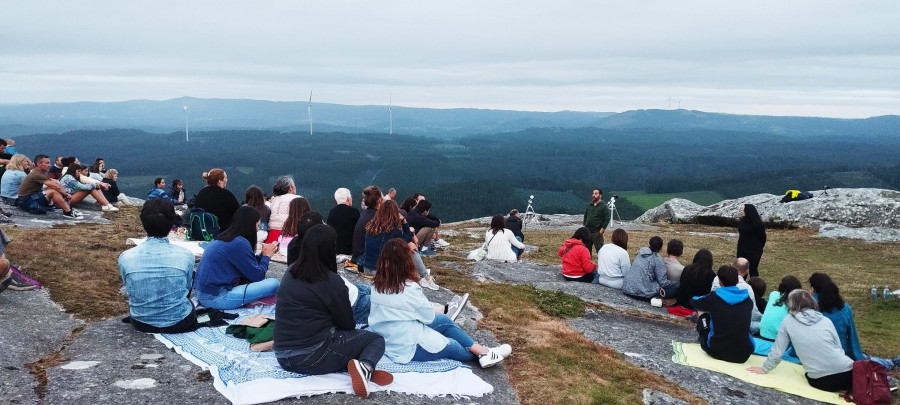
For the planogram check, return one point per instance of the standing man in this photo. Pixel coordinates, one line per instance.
(596, 218)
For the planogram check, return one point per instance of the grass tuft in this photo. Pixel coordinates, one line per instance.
(556, 303)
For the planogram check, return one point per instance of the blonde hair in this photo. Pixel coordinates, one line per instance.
(111, 174)
(15, 162)
(213, 176)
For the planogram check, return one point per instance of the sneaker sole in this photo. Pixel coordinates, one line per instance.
(28, 287)
(381, 377)
(462, 304)
(489, 365)
(360, 385)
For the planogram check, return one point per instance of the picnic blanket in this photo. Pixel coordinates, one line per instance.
(787, 377)
(246, 377)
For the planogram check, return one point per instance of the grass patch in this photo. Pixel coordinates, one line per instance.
(556, 303)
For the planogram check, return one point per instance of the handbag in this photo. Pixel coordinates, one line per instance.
(481, 252)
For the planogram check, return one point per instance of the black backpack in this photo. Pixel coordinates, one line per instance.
(201, 225)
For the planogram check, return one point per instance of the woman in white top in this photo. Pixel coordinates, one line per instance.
(498, 241)
(613, 261)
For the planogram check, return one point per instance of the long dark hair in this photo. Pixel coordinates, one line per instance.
(751, 216)
(296, 208)
(497, 223)
(788, 283)
(408, 204)
(243, 223)
(584, 235)
(395, 265)
(703, 258)
(317, 253)
(386, 219)
(829, 295)
(254, 197)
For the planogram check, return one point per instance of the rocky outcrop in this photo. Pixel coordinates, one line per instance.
(871, 214)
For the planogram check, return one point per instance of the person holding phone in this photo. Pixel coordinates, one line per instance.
(230, 275)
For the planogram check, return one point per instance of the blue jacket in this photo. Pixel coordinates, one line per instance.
(157, 192)
(845, 327)
(374, 243)
(224, 263)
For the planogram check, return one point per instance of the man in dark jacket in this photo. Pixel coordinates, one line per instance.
(424, 226)
(596, 218)
(724, 322)
(514, 224)
(343, 218)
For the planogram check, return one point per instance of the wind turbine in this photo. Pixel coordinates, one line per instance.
(309, 111)
(185, 122)
(391, 114)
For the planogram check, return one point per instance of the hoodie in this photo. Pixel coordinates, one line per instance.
(576, 259)
(815, 341)
(647, 275)
(729, 328)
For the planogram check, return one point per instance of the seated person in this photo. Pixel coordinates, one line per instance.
(283, 191)
(833, 307)
(498, 241)
(514, 224)
(158, 275)
(12, 177)
(229, 274)
(647, 277)
(743, 268)
(112, 193)
(817, 345)
(776, 307)
(576, 258)
(724, 323)
(343, 218)
(411, 329)
(316, 332)
(696, 278)
(759, 290)
(296, 208)
(34, 198)
(177, 192)
(425, 225)
(613, 261)
(385, 225)
(159, 191)
(71, 181)
(674, 250)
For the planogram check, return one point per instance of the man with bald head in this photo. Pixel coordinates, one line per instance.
(743, 267)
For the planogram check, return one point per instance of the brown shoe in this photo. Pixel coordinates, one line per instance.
(381, 377)
(359, 377)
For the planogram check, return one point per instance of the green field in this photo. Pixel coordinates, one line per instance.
(647, 201)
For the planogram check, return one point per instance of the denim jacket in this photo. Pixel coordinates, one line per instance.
(403, 320)
(157, 276)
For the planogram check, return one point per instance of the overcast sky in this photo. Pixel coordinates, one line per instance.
(816, 58)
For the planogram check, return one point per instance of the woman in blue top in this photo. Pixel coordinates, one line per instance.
(832, 305)
(230, 275)
(412, 331)
(776, 308)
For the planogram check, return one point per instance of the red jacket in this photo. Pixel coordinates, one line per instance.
(577, 261)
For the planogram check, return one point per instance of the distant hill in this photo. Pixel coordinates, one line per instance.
(289, 116)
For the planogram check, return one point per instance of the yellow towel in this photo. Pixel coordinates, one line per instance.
(787, 377)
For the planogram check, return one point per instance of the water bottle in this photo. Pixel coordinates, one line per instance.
(874, 292)
(886, 292)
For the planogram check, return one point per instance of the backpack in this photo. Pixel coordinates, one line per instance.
(202, 225)
(870, 384)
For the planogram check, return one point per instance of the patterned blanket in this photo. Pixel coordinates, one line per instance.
(246, 377)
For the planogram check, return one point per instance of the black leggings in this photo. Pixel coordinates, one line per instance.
(833, 382)
(188, 324)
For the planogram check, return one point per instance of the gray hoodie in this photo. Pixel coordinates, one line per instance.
(647, 275)
(816, 342)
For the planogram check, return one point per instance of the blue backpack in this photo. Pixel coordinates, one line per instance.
(202, 225)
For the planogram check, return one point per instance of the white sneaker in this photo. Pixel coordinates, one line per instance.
(109, 207)
(428, 282)
(77, 213)
(455, 307)
(441, 243)
(494, 356)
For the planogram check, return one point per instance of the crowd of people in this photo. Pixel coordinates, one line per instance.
(729, 305)
(325, 323)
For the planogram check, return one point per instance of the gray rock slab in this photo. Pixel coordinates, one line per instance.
(89, 209)
(647, 343)
(31, 326)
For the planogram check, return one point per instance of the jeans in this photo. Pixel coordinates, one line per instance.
(597, 241)
(516, 250)
(456, 349)
(240, 295)
(362, 304)
(336, 352)
(420, 265)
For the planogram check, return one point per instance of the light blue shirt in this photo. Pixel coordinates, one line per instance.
(9, 185)
(403, 319)
(157, 276)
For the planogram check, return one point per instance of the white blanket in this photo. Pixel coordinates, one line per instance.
(246, 377)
